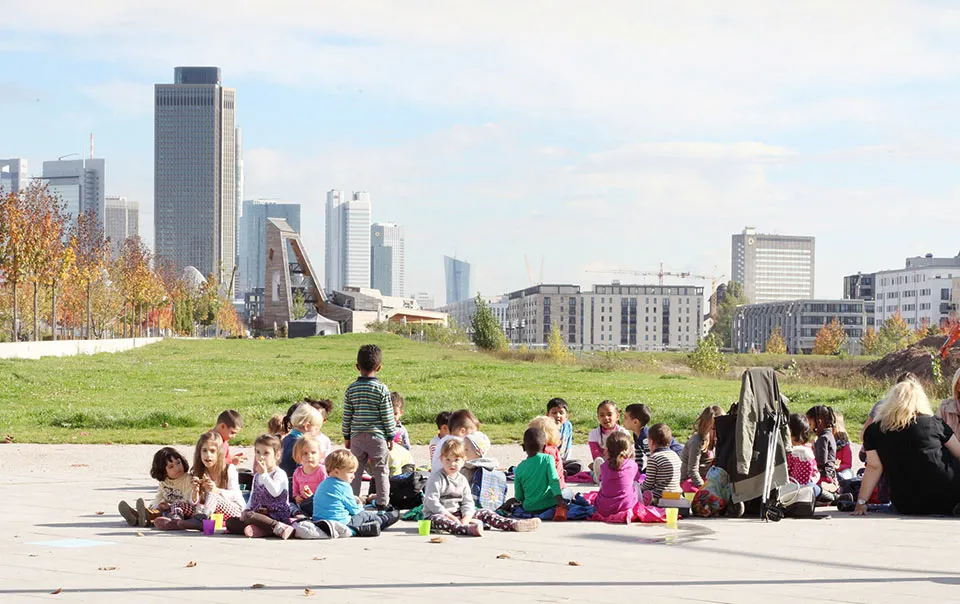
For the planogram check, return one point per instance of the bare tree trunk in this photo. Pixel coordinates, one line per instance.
(15, 313)
(123, 332)
(53, 312)
(36, 315)
(89, 313)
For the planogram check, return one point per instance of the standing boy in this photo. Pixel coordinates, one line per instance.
(368, 423)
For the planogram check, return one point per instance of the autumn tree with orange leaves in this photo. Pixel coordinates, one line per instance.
(90, 249)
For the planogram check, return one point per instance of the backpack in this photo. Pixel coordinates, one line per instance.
(406, 490)
(798, 501)
(489, 488)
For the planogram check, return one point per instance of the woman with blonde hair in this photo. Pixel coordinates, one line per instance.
(949, 409)
(918, 453)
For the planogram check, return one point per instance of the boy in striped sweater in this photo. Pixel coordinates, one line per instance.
(663, 465)
(368, 423)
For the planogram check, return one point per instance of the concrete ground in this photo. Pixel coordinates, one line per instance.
(60, 530)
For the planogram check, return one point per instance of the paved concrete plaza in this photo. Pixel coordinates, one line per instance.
(54, 537)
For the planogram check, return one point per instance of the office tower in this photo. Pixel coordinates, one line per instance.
(253, 238)
(457, 274)
(238, 194)
(773, 267)
(195, 172)
(386, 258)
(347, 240)
(13, 175)
(79, 183)
(121, 220)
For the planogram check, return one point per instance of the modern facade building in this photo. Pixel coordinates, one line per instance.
(195, 183)
(238, 190)
(121, 220)
(461, 313)
(457, 275)
(859, 287)
(531, 313)
(79, 183)
(347, 242)
(251, 266)
(641, 317)
(799, 321)
(13, 175)
(921, 292)
(773, 267)
(387, 261)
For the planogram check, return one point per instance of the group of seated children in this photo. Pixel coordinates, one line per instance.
(829, 461)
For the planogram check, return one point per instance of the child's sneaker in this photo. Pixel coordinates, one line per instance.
(388, 519)
(141, 513)
(475, 529)
(128, 513)
(369, 529)
(527, 525)
(283, 530)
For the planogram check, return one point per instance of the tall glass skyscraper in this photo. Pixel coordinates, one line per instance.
(347, 246)
(79, 183)
(387, 258)
(195, 172)
(457, 273)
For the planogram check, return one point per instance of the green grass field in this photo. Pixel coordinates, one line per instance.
(128, 397)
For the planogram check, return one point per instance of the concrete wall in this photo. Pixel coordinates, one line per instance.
(66, 348)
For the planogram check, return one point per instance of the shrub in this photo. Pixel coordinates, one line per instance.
(707, 358)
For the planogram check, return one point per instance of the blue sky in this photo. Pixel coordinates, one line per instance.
(620, 135)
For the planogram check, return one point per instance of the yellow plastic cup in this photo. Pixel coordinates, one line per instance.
(671, 515)
(689, 496)
(218, 521)
(423, 526)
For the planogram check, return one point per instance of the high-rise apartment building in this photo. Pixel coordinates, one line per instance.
(79, 183)
(637, 317)
(387, 263)
(251, 267)
(347, 253)
(238, 193)
(13, 175)
(457, 274)
(121, 220)
(773, 267)
(195, 172)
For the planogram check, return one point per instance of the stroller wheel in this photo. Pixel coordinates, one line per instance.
(773, 513)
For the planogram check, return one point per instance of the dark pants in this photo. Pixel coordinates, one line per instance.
(236, 525)
(306, 506)
(361, 518)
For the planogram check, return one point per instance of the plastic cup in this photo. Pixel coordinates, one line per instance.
(423, 526)
(218, 521)
(209, 526)
(672, 515)
(689, 496)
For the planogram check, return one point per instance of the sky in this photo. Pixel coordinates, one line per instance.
(564, 136)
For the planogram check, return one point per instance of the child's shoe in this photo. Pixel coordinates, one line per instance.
(283, 530)
(527, 525)
(128, 513)
(388, 519)
(166, 524)
(141, 513)
(255, 532)
(369, 529)
(475, 529)
(201, 513)
(560, 514)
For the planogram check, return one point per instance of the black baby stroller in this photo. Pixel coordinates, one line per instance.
(752, 445)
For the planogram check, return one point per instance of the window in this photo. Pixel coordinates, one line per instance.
(945, 293)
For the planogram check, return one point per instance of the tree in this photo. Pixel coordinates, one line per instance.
(894, 334)
(299, 309)
(487, 331)
(830, 338)
(15, 246)
(775, 343)
(732, 297)
(870, 341)
(53, 256)
(90, 249)
(707, 357)
(556, 347)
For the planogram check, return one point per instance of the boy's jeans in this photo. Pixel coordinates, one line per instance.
(367, 447)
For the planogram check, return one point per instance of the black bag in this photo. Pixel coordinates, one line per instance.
(406, 490)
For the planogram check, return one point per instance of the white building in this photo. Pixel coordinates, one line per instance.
(424, 300)
(640, 317)
(387, 262)
(121, 220)
(13, 175)
(921, 291)
(461, 313)
(773, 267)
(347, 257)
(79, 183)
(799, 321)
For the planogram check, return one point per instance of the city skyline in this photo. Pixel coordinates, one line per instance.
(543, 141)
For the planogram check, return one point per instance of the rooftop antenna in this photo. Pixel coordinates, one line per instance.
(91, 145)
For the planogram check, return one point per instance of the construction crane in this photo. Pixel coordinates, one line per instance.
(658, 274)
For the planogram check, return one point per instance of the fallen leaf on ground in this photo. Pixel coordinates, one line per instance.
(257, 586)
(99, 513)
(139, 534)
(32, 555)
(308, 592)
(108, 568)
(502, 556)
(8, 439)
(191, 564)
(573, 563)
(79, 465)
(319, 558)
(84, 434)
(437, 540)
(56, 591)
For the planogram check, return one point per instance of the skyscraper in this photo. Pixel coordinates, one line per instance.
(13, 175)
(773, 267)
(387, 263)
(195, 172)
(347, 240)
(253, 236)
(121, 220)
(238, 194)
(79, 183)
(457, 273)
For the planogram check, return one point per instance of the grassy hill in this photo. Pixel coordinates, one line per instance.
(183, 384)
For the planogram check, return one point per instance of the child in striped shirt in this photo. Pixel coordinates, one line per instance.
(663, 466)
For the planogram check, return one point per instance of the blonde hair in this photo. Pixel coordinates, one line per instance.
(275, 424)
(903, 404)
(840, 428)
(549, 427)
(306, 414)
(302, 443)
(453, 448)
(341, 459)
